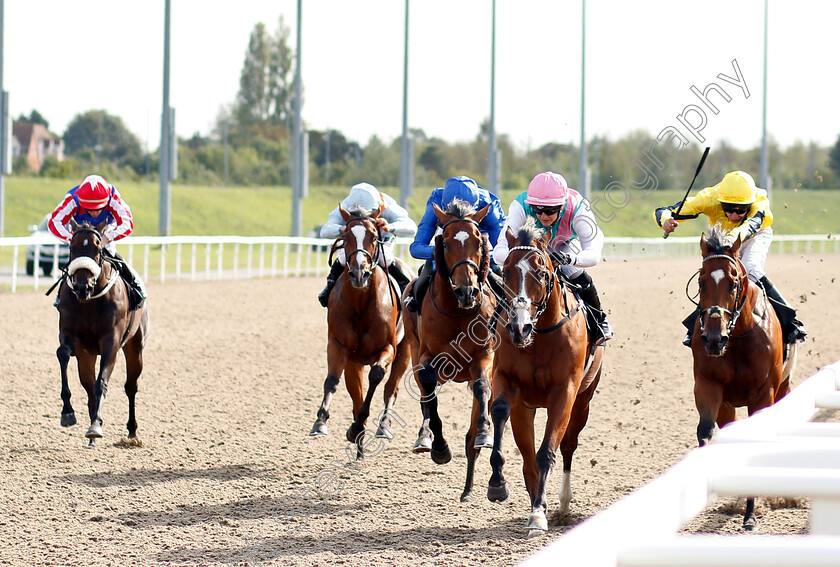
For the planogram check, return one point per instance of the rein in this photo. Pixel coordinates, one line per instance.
(87, 263)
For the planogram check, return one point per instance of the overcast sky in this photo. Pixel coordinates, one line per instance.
(642, 58)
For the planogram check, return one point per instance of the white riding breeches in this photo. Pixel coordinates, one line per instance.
(754, 253)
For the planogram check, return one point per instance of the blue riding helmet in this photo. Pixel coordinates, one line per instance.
(461, 187)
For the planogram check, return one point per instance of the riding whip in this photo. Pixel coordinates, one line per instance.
(696, 173)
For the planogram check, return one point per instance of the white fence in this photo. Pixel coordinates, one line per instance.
(162, 258)
(778, 452)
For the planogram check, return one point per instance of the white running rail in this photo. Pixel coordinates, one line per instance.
(778, 452)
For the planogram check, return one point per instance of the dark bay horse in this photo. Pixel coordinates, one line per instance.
(452, 340)
(541, 362)
(94, 320)
(737, 343)
(365, 328)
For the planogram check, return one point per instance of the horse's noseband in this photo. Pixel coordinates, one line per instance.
(716, 311)
(466, 261)
(522, 302)
(372, 257)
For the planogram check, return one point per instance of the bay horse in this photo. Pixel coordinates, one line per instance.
(546, 360)
(737, 344)
(451, 341)
(365, 327)
(95, 320)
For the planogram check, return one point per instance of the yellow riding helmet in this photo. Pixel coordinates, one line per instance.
(737, 187)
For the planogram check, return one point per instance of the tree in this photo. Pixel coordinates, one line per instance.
(834, 158)
(106, 138)
(265, 92)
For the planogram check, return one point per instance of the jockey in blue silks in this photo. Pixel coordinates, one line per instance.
(467, 190)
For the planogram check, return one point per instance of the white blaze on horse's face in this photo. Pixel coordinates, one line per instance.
(524, 267)
(461, 237)
(359, 232)
(717, 275)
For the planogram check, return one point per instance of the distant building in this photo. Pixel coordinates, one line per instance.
(36, 143)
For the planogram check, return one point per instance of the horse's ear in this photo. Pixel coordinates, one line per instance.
(378, 212)
(479, 216)
(545, 239)
(74, 226)
(511, 239)
(344, 214)
(442, 217)
(736, 247)
(704, 249)
(100, 228)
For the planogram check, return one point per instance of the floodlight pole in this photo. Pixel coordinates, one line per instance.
(492, 151)
(4, 134)
(583, 185)
(297, 135)
(406, 146)
(164, 166)
(763, 180)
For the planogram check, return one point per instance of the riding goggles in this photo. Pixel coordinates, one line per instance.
(737, 208)
(546, 210)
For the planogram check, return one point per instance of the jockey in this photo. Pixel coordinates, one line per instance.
(394, 221)
(95, 200)
(465, 189)
(576, 240)
(742, 210)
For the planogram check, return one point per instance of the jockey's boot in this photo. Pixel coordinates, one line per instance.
(793, 330)
(496, 282)
(689, 326)
(136, 288)
(335, 271)
(403, 278)
(415, 299)
(589, 295)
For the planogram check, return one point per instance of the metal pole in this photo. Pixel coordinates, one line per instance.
(492, 173)
(164, 169)
(406, 157)
(4, 136)
(763, 177)
(582, 184)
(297, 165)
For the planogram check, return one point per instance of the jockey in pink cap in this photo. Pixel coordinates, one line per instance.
(576, 240)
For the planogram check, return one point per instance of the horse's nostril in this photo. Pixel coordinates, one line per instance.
(526, 330)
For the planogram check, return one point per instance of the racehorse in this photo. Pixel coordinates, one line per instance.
(94, 319)
(451, 341)
(737, 343)
(365, 327)
(546, 360)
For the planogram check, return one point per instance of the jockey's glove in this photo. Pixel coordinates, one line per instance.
(560, 257)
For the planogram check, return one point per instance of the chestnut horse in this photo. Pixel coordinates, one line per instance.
(451, 341)
(365, 328)
(94, 320)
(737, 343)
(541, 362)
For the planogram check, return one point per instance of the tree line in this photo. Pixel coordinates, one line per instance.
(250, 145)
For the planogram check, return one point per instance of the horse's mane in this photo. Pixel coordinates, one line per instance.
(360, 212)
(529, 232)
(460, 208)
(717, 240)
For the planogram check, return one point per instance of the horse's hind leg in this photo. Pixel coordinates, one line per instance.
(354, 380)
(134, 367)
(398, 368)
(100, 388)
(64, 352)
(497, 490)
(427, 376)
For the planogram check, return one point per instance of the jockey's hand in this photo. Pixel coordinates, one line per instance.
(560, 257)
(105, 241)
(383, 225)
(670, 225)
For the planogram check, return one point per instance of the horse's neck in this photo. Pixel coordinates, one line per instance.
(442, 292)
(752, 303)
(365, 295)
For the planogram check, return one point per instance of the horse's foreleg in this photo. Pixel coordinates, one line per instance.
(482, 393)
(100, 388)
(569, 444)
(497, 490)
(63, 353)
(427, 377)
(522, 425)
(336, 359)
(708, 398)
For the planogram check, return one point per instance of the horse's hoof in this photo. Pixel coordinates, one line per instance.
(498, 493)
(442, 456)
(353, 435)
(750, 524)
(483, 441)
(68, 419)
(94, 432)
(422, 445)
(537, 521)
(320, 428)
(465, 496)
(535, 533)
(384, 433)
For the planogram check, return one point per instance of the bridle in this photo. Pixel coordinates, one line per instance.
(716, 311)
(93, 265)
(377, 247)
(467, 261)
(524, 302)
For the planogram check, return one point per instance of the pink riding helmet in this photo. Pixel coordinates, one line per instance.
(547, 189)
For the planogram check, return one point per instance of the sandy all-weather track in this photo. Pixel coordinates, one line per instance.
(233, 376)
